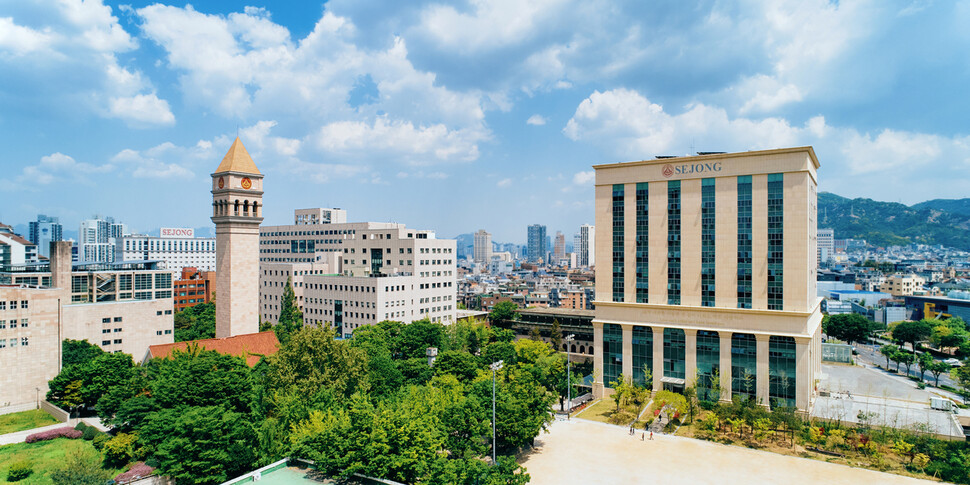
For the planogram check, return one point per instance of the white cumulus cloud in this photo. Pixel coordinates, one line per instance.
(536, 120)
(142, 109)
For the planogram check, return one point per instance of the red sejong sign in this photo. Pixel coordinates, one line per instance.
(178, 232)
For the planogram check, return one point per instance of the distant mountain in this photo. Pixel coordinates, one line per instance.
(957, 206)
(891, 223)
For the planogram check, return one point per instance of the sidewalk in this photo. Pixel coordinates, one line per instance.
(20, 436)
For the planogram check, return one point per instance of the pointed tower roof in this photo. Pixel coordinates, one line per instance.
(237, 159)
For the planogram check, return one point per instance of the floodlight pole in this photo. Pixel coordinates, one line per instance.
(495, 366)
(569, 380)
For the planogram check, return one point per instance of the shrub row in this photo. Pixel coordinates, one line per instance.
(64, 432)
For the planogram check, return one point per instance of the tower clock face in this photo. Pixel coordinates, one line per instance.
(222, 183)
(246, 183)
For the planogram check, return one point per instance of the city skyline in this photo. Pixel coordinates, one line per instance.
(401, 112)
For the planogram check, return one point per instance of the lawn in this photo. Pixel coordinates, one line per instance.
(10, 423)
(45, 455)
(603, 409)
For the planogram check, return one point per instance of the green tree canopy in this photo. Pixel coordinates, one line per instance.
(850, 327)
(79, 352)
(504, 310)
(196, 323)
(291, 318)
(912, 332)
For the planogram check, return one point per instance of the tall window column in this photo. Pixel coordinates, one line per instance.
(642, 354)
(744, 364)
(781, 371)
(708, 363)
(643, 244)
(776, 240)
(618, 250)
(744, 241)
(673, 242)
(708, 242)
(612, 353)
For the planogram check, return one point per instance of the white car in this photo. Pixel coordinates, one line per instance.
(954, 362)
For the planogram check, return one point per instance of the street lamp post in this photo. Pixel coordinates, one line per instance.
(569, 379)
(495, 366)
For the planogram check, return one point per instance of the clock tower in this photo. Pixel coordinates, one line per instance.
(237, 211)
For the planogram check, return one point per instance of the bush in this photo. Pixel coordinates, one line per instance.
(621, 417)
(100, 440)
(90, 433)
(118, 451)
(64, 432)
(708, 405)
(19, 471)
(152, 462)
(81, 426)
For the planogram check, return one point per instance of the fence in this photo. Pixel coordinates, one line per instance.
(837, 353)
(58, 413)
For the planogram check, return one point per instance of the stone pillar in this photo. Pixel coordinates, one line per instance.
(658, 357)
(690, 357)
(803, 380)
(627, 350)
(761, 386)
(598, 359)
(725, 370)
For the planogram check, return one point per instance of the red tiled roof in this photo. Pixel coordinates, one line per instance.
(251, 346)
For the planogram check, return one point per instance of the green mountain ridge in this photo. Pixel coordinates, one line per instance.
(891, 223)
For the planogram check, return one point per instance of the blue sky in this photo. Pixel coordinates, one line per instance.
(464, 115)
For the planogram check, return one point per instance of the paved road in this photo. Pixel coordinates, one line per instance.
(870, 354)
(21, 436)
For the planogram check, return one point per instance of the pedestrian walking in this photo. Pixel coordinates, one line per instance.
(641, 436)
(651, 435)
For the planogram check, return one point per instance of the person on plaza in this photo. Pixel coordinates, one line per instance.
(651, 434)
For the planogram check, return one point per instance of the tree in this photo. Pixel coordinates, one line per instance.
(207, 444)
(888, 351)
(313, 359)
(938, 367)
(906, 359)
(196, 323)
(535, 334)
(925, 360)
(555, 335)
(291, 318)
(912, 332)
(462, 365)
(417, 336)
(502, 311)
(962, 376)
(850, 327)
(81, 466)
(79, 352)
(197, 377)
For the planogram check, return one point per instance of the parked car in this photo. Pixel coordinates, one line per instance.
(954, 362)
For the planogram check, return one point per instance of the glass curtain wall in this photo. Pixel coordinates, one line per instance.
(744, 365)
(776, 240)
(744, 241)
(642, 354)
(781, 371)
(707, 242)
(618, 251)
(612, 352)
(708, 364)
(675, 352)
(673, 242)
(643, 243)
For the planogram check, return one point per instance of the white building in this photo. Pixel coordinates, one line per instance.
(15, 249)
(826, 245)
(360, 273)
(43, 231)
(97, 238)
(177, 247)
(483, 247)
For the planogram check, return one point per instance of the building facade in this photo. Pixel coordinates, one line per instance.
(97, 238)
(237, 204)
(902, 284)
(194, 287)
(537, 243)
(43, 232)
(826, 245)
(14, 249)
(559, 248)
(351, 274)
(482, 252)
(585, 246)
(119, 307)
(177, 247)
(707, 266)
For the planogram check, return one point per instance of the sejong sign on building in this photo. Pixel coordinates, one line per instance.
(177, 232)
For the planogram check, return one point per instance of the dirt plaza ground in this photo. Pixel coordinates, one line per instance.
(585, 452)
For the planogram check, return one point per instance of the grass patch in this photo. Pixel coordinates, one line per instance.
(45, 455)
(603, 409)
(35, 418)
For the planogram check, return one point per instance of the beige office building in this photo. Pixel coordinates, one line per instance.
(707, 266)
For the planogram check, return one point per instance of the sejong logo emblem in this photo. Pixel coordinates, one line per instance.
(668, 171)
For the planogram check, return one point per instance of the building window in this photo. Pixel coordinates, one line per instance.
(24, 341)
(23, 323)
(643, 244)
(143, 282)
(106, 320)
(105, 342)
(776, 240)
(744, 365)
(642, 354)
(117, 340)
(612, 352)
(3, 305)
(673, 242)
(23, 304)
(744, 241)
(708, 242)
(675, 346)
(708, 365)
(618, 252)
(781, 371)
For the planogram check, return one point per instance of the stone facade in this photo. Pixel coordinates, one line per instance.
(30, 348)
(675, 302)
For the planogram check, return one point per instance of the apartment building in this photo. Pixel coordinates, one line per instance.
(177, 247)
